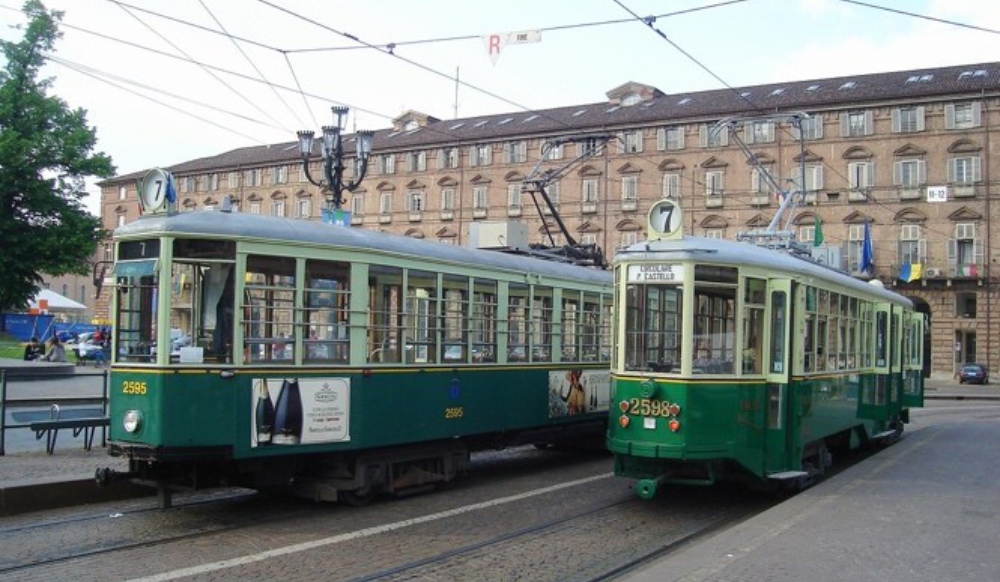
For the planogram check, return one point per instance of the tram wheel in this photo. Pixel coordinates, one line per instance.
(357, 497)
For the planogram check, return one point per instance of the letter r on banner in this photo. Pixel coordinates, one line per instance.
(494, 45)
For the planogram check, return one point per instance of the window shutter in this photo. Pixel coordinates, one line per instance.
(922, 250)
(897, 124)
(920, 118)
(949, 116)
(748, 133)
(441, 155)
(845, 124)
(977, 113)
(703, 135)
(897, 173)
(921, 172)
(723, 136)
(473, 156)
(817, 126)
(869, 123)
(951, 170)
(975, 169)
(638, 140)
(489, 155)
(661, 139)
(797, 130)
(869, 174)
(621, 142)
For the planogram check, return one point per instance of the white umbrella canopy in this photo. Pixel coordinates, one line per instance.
(55, 301)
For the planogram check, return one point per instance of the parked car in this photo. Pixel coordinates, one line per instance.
(974, 374)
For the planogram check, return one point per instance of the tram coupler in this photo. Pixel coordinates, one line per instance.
(105, 476)
(646, 488)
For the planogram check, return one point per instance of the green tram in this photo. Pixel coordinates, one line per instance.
(344, 363)
(738, 363)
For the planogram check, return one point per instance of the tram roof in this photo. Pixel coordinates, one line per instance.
(244, 226)
(725, 252)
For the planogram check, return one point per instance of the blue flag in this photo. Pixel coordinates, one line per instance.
(171, 193)
(867, 254)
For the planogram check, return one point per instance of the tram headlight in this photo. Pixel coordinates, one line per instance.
(132, 421)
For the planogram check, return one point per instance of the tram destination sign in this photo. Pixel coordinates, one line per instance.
(655, 273)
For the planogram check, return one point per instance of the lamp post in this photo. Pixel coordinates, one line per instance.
(333, 156)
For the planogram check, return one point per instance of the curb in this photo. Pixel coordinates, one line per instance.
(37, 495)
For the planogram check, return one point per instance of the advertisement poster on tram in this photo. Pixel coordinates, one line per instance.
(574, 392)
(291, 411)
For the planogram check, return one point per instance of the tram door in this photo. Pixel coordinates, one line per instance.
(913, 365)
(778, 361)
(878, 391)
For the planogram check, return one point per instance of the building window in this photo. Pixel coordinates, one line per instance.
(631, 142)
(855, 240)
(590, 189)
(911, 246)
(670, 138)
(965, 254)
(279, 175)
(515, 152)
(907, 119)
(480, 155)
(962, 115)
(552, 191)
(965, 305)
(711, 136)
(415, 201)
(807, 234)
(514, 195)
(856, 123)
(303, 207)
(386, 164)
(416, 162)
(628, 239)
(121, 220)
(909, 173)
(672, 185)
(813, 180)
(552, 151)
(122, 192)
(630, 188)
(385, 203)
(587, 147)
(448, 158)
(233, 180)
(278, 208)
(759, 132)
(860, 175)
(963, 170)
(358, 206)
(480, 197)
(758, 183)
(811, 127)
(713, 183)
(213, 182)
(447, 199)
(254, 207)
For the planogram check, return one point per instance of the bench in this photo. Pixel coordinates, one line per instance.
(50, 429)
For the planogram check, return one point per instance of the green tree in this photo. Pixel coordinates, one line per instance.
(46, 153)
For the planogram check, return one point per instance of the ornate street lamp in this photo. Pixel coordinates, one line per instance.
(333, 156)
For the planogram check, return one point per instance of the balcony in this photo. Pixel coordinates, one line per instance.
(588, 208)
(479, 213)
(713, 201)
(385, 218)
(857, 196)
(758, 199)
(514, 210)
(963, 191)
(447, 215)
(357, 219)
(910, 193)
(629, 205)
(415, 216)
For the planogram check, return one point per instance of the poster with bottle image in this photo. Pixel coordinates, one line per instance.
(574, 392)
(293, 411)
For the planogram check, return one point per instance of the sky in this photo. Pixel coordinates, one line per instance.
(167, 82)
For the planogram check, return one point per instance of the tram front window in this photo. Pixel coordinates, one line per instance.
(653, 327)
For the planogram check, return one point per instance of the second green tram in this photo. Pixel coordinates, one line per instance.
(739, 363)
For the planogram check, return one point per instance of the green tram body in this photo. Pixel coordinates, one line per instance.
(495, 343)
(767, 402)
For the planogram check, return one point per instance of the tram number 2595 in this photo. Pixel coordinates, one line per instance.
(454, 412)
(133, 387)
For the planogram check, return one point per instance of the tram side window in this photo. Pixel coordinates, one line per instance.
(326, 312)
(422, 331)
(714, 319)
(517, 322)
(455, 315)
(571, 326)
(136, 325)
(595, 332)
(202, 300)
(779, 323)
(483, 321)
(541, 325)
(753, 325)
(268, 310)
(653, 327)
(385, 313)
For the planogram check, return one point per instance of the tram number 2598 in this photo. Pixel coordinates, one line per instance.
(133, 387)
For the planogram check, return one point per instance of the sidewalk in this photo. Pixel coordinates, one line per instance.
(924, 509)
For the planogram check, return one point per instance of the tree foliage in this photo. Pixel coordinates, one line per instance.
(46, 153)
